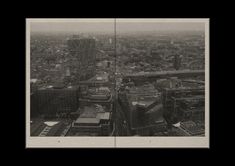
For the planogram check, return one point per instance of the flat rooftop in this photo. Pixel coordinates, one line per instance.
(89, 112)
(103, 115)
(87, 121)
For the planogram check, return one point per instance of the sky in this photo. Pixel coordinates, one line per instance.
(122, 25)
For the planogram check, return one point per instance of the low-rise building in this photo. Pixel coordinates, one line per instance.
(54, 99)
(94, 120)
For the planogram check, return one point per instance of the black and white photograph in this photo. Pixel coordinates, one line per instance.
(117, 82)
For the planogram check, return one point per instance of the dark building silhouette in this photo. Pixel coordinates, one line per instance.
(177, 61)
(52, 101)
(83, 52)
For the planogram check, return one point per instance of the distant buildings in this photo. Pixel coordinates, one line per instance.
(177, 61)
(100, 80)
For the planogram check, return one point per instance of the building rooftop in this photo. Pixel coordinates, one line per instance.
(144, 103)
(146, 88)
(46, 128)
(92, 115)
(88, 112)
(103, 115)
(87, 121)
(94, 111)
(58, 87)
(139, 99)
(98, 94)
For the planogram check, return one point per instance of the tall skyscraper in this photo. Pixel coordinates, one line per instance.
(83, 52)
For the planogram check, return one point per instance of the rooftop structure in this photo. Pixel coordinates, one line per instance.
(86, 122)
(93, 119)
(94, 95)
(98, 80)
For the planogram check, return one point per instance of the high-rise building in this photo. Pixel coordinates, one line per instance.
(83, 52)
(143, 110)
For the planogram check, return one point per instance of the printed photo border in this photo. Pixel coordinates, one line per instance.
(124, 141)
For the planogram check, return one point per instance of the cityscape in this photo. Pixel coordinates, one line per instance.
(125, 81)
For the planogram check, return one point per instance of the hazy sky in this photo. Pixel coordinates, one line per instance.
(74, 26)
(122, 25)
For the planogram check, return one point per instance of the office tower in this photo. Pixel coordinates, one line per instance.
(83, 52)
